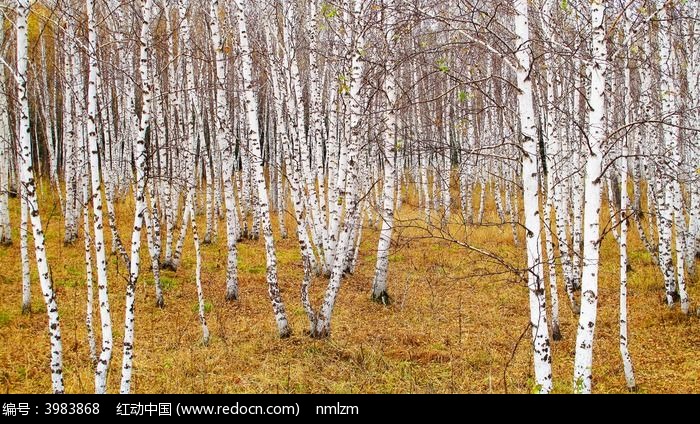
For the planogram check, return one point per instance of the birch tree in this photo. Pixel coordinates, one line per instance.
(671, 211)
(583, 365)
(5, 143)
(27, 180)
(538, 312)
(251, 110)
(140, 157)
(379, 287)
(323, 321)
(98, 238)
(223, 137)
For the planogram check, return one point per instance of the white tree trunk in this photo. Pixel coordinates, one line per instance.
(317, 122)
(379, 287)
(105, 356)
(323, 323)
(624, 216)
(297, 106)
(69, 138)
(576, 180)
(172, 110)
(278, 93)
(251, 102)
(693, 119)
(223, 135)
(88, 278)
(140, 156)
(24, 252)
(555, 198)
(542, 353)
(671, 207)
(29, 189)
(198, 273)
(5, 143)
(583, 362)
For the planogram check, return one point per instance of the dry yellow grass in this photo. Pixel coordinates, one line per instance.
(451, 328)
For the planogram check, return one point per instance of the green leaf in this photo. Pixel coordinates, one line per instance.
(462, 96)
(578, 385)
(537, 388)
(442, 66)
(329, 11)
(343, 87)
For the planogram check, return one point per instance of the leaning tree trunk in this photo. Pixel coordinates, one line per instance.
(308, 260)
(251, 103)
(140, 156)
(323, 323)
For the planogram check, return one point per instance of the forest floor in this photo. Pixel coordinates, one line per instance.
(457, 323)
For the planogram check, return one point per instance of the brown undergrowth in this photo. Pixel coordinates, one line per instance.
(453, 326)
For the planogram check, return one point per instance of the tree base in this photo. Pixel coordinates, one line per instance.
(26, 309)
(231, 295)
(5, 241)
(160, 302)
(168, 265)
(633, 389)
(285, 333)
(320, 334)
(382, 298)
